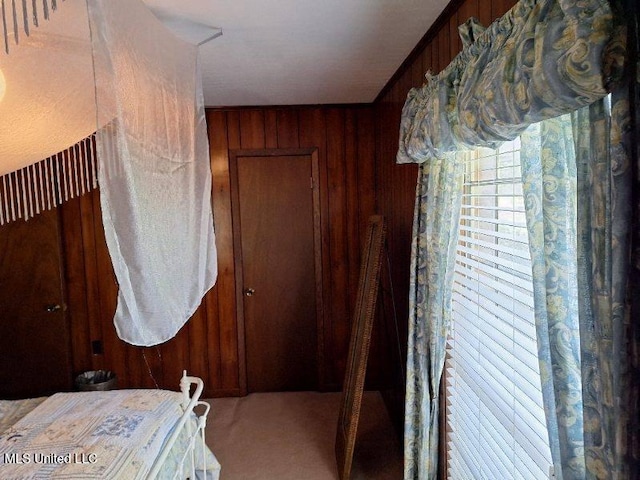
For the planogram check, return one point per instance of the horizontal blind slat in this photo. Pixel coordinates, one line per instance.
(503, 275)
(499, 263)
(497, 245)
(520, 239)
(489, 312)
(498, 292)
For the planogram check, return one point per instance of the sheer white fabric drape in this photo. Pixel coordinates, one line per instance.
(154, 173)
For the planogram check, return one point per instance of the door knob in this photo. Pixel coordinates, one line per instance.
(53, 308)
(249, 292)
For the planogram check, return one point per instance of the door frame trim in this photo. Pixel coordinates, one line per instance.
(237, 250)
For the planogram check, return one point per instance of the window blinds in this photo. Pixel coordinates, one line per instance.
(495, 422)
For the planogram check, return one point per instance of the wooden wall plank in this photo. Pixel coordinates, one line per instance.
(444, 54)
(337, 194)
(435, 56)
(233, 131)
(91, 274)
(417, 72)
(252, 129)
(427, 60)
(366, 166)
(313, 133)
(197, 342)
(75, 286)
(379, 367)
(352, 207)
(500, 7)
(271, 128)
(213, 315)
(485, 15)
(227, 374)
(218, 153)
(455, 43)
(136, 373)
(287, 128)
(175, 358)
(108, 291)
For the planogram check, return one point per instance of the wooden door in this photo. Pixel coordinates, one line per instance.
(34, 333)
(275, 229)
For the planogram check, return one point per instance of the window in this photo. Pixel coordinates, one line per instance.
(495, 424)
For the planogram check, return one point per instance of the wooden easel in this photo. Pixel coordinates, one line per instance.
(368, 286)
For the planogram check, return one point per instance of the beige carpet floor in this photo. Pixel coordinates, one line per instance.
(291, 436)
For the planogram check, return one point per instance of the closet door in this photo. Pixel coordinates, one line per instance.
(277, 259)
(34, 331)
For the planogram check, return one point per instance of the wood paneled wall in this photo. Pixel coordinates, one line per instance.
(208, 345)
(396, 184)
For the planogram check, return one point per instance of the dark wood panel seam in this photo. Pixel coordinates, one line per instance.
(231, 108)
(269, 152)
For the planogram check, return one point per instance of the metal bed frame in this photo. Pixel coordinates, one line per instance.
(189, 404)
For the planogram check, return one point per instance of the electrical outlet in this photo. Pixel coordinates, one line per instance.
(96, 347)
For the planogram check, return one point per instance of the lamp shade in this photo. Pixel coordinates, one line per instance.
(47, 89)
(49, 96)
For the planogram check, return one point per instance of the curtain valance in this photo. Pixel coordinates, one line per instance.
(542, 59)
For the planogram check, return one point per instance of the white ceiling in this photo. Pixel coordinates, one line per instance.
(295, 52)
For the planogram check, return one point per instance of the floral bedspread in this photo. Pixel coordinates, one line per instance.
(113, 434)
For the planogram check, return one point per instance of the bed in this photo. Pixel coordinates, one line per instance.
(118, 434)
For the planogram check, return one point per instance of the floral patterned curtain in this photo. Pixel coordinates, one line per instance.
(548, 162)
(634, 333)
(578, 184)
(541, 60)
(605, 228)
(435, 237)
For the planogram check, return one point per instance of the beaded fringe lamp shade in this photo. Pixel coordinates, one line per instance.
(47, 106)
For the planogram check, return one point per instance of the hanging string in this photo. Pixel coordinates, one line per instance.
(46, 184)
(155, 382)
(395, 312)
(20, 13)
